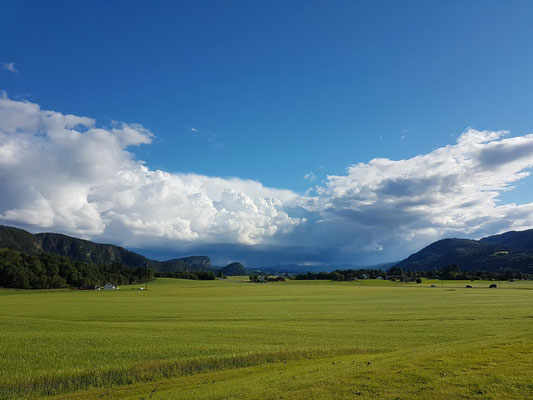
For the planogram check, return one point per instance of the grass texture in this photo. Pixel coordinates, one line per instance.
(227, 339)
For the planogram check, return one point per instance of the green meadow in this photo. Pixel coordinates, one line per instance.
(230, 339)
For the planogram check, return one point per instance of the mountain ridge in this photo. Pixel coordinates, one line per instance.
(508, 250)
(91, 252)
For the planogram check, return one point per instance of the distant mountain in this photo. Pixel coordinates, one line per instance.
(510, 250)
(302, 269)
(94, 253)
(291, 269)
(233, 269)
(383, 266)
(192, 263)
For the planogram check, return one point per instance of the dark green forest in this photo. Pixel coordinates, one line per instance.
(50, 271)
(512, 250)
(233, 269)
(195, 275)
(92, 253)
(52, 260)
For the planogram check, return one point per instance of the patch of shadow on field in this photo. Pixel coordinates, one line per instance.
(157, 370)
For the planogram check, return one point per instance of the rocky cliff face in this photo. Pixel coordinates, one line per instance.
(192, 263)
(85, 250)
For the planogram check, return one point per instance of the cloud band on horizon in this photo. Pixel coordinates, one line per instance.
(60, 172)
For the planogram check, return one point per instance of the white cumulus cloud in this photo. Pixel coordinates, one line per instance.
(62, 173)
(451, 191)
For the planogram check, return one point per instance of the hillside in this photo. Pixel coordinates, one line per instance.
(521, 241)
(510, 250)
(90, 252)
(233, 269)
(51, 271)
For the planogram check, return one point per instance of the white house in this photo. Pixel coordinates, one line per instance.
(110, 286)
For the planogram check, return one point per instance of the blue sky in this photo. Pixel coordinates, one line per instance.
(276, 91)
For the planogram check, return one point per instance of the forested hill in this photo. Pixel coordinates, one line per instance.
(520, 242)
(510, 250)
(90, 252)
(233, 269)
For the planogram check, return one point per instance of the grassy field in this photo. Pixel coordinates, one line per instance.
(295, 340)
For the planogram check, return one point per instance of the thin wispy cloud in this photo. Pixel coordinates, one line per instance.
(206, 132)
(310, 176)
(10, 67)
(372, 246)
(212, 138)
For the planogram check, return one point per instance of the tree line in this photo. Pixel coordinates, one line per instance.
(51, 271)
(343, 275)
(196, 275)
(449, 272)
(454, 272)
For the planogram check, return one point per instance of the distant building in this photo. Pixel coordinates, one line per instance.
(110, 286)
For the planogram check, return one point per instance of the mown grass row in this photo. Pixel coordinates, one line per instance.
(480, 369)
(53, 384)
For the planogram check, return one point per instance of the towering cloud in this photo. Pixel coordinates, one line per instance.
(62, 173)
